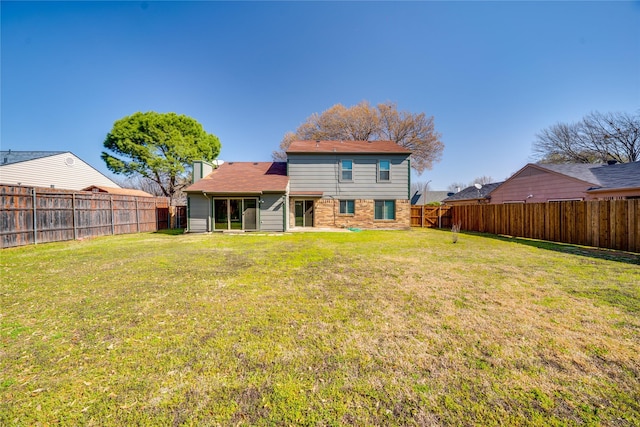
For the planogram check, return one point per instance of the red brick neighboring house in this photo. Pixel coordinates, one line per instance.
(537, 183)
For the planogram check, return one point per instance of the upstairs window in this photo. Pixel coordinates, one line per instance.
(346, 170)
(384, 170)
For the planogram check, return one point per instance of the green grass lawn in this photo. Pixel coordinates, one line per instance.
(369, 328)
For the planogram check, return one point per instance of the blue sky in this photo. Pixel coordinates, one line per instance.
(492, 74)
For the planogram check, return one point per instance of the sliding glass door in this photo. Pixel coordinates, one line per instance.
(235, 214)
(304, 213)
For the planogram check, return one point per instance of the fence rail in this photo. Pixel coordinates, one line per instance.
(31, 215)
(611, 224)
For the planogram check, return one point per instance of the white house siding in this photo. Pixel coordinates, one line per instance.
(322, 173)
(272, 212)
(64, 171)
(198, 215)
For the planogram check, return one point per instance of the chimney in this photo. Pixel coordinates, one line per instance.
(200, 170)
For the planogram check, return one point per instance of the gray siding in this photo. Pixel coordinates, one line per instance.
(272, 212)
(322, 172)
(198, 213)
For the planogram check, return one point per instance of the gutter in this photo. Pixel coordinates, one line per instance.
(607, 190)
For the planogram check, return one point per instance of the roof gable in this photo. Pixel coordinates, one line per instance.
(350, 147)
(579, 171)
(244, 177)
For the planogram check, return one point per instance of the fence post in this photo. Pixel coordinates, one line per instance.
(422, 216)
(439, 216)
(113, 227)
(35, 220)
(137, 216)
(73, 205)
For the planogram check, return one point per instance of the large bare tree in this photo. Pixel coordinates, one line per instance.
(598, 137)
(364, 122)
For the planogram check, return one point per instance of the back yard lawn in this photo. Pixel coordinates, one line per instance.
(369, 328)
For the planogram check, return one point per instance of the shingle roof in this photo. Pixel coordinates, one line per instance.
(430, 197)
(8, 157)
(619, 175)
(472, 193)
(361, 147)
(244, 177)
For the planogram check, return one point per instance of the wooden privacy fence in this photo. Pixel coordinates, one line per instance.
(431, 216)
(38, 215)
(611, 224)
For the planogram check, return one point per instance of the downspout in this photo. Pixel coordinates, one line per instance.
(188, 214)
(409, 174)
(284, 213)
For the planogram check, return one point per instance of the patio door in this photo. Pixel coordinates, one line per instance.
(304, 213)
(235, 214)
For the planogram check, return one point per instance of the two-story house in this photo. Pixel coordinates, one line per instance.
(323, 184)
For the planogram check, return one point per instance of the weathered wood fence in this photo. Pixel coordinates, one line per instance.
(31, 215)
(431, 216)
(611, 224)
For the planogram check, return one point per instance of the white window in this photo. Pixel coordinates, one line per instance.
(347, 207)
(346, 170)
(384, 170)
(384, 209)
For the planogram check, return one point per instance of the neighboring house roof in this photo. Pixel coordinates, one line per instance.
(118, 191)
(244, 177)
(602, 176)
(472, 193)
(9, 157)
(344, 147)
(429, 197)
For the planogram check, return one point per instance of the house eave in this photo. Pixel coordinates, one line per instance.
(612, 190)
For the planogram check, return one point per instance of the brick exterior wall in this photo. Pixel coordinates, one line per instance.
(326, 214)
